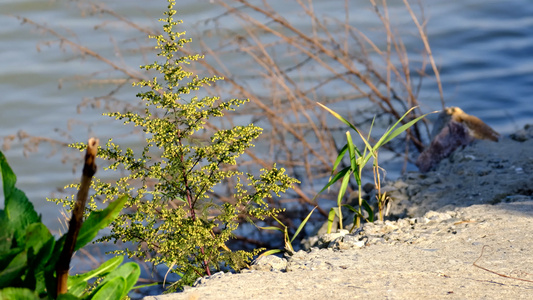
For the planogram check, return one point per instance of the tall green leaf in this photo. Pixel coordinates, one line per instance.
(41, 243)
(8, 176)
(6, 234)
(129, 271)
(336, 115)
(103, 269)
(302, 224)
(18, 209)
(331, 218)
(335, 178)
(344, 186)
(98, 220)
(17, 293)
(37, 235)
(14, 269)
(351, 151)
(111, 290)
(392, 132)
(339, 158)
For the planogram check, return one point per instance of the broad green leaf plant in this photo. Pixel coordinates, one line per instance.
(29, 252)
(173, 217)
(358, 161)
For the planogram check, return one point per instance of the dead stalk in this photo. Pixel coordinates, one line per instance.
(63, 263)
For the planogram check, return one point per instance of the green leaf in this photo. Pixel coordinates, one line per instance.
(130, 272)
(339, 158)
(103, 269)
(7, 257)
(98, 220)
(12, 293)
(357, 176)
(362, 160)
(331, 218)
(6, 234)
(37, 235)
(14, 270)
(111, 290)
(154, 283)
(37, 264)
(336, 115)
(336, 211)
(302, 225)
(119, 282)
(333, 180)
(344, 186)
(348, 206)
(392, 133)
(269, 252)
(369, 210)
(271, 228)
(351, 150)
(78, 289)
(368, 147)
(402, 128)
(8, 176)
(18, 209)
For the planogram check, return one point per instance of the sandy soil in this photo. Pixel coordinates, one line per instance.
(482, 196)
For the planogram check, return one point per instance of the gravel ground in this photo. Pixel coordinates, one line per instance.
(464, 233)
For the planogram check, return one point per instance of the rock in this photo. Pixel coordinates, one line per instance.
(350, 242)
(203, 280)
(523, 135)
(270, 263)
(326, 239)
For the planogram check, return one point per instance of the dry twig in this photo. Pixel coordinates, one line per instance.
(494, 272)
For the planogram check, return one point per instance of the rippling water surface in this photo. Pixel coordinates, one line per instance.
(484, 50)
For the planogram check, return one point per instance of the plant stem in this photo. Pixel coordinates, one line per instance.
(63, 263)
(190, 202)
(360, 197)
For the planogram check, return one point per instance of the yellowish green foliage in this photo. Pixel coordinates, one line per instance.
(172, 218)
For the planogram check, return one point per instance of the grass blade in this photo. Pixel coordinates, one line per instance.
(339, 158)
(336, 115)
(392, 132)
(333, 180)
(302, 225)
(402, 129)
(343, 188)
(369, 210)
(270, 228)
(351, 150)
(331, 218)
(269, 252)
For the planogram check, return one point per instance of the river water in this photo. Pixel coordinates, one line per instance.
(484, 50)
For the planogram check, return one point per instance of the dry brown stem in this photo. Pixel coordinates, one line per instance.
(63, 263)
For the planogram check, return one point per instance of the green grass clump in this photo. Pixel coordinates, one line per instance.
(358, 161)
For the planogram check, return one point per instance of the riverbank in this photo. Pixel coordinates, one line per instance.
(465, 234)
